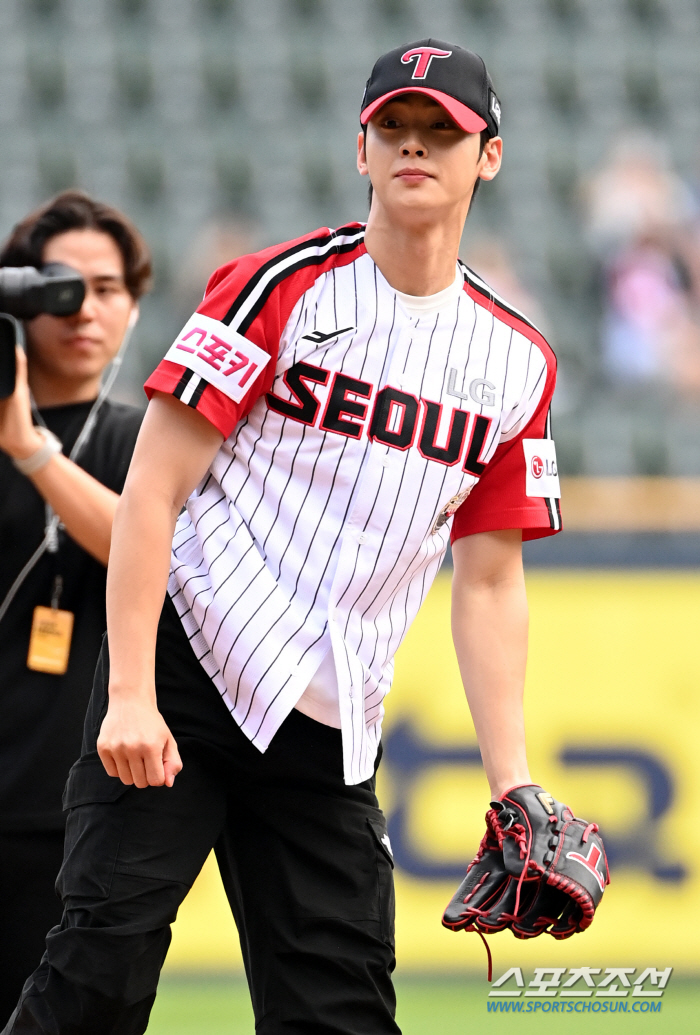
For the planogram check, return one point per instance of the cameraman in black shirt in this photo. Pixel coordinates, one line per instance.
(67, 505)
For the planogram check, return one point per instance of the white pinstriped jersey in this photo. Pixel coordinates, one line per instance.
(353, 431)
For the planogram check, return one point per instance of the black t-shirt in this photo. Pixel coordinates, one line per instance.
(41, 715)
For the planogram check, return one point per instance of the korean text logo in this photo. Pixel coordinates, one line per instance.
(580, 990)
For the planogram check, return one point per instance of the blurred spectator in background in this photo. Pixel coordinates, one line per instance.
(635, 194)
(650, 329)
(640, 220)
(217, 243)
(490, 260)
(44, 563)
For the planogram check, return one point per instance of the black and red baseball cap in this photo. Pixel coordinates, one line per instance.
(454, 77)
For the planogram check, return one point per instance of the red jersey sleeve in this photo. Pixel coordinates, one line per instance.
(224, 358)
(504, 496)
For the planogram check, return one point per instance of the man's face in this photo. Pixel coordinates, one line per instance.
(420, 161)
(81, 346)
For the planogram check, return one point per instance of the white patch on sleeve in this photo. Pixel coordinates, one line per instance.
(220, 355)
(541, 474)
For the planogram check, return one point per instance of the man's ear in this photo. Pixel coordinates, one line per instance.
(361, 155)
(490, 161)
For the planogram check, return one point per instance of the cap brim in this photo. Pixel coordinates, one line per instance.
(465, 118)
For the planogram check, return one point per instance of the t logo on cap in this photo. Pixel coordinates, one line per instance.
(424, 55)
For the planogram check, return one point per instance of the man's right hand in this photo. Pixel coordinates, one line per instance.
(18, 436)
(136, 745)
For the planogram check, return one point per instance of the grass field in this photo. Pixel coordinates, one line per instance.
(427, 1006)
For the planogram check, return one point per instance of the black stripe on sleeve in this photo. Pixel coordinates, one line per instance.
(550, 511)
(553, 506)
(318, 242)
(183, 383)
(197, 393)
(310, 260)
(557, 507)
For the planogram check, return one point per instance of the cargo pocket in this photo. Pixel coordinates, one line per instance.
(93, 832)
(385, 876)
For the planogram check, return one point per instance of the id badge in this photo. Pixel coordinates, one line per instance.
(49, 643)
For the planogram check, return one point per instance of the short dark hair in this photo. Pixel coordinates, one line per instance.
(76, 210)
(484, 137)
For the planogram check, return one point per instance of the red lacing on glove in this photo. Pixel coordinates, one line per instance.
(474, 889)
(537, 929)
(470, 927)
(592, 828)
(487, 844)
(516, 831)
(494, 832)
(489, 973)
(521, 878)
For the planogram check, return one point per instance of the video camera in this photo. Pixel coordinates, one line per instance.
(25, 292)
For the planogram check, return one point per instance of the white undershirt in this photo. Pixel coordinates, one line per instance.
(320, 699)
(419, 305)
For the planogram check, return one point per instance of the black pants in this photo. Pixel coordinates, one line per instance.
(307, 876)
(29, 906)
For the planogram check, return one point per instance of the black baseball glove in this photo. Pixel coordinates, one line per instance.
(538, 869)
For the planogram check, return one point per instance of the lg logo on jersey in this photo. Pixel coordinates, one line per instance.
(541, 477)
(477, 390)
(395, 418)
(540, 467)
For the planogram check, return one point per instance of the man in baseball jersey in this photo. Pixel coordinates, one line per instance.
(337, 407)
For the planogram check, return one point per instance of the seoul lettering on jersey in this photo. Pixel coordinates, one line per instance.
(364, 438)
(398, 419)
